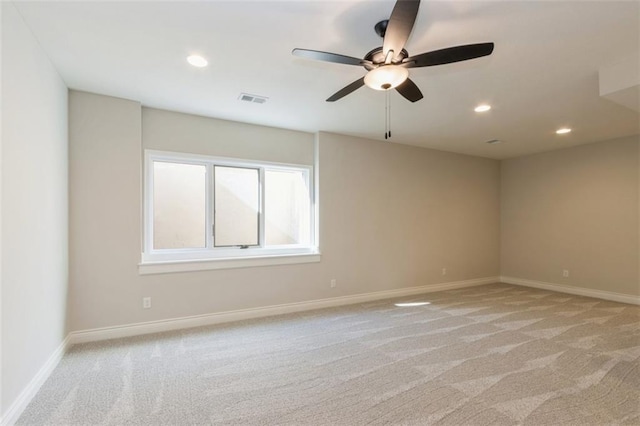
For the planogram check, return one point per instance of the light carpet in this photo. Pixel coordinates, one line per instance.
(487, 355)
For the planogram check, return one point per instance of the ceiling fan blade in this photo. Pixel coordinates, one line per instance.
(328, 57)
(410, 91)
(346, 90)
(449, 55)
(399, 27)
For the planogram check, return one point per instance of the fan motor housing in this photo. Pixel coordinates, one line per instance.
(377, 57)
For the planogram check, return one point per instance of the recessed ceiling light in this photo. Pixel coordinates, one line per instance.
(197, 61)
(563, 131)
(482, 108)
(409, 304)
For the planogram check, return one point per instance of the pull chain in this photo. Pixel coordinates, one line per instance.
(387, 115)
(389, 112)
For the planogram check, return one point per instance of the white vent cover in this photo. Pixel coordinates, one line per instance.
(246, 97)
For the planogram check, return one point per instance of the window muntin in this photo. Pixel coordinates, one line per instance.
(295, 178)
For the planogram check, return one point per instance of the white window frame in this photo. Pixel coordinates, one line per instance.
(210, 257)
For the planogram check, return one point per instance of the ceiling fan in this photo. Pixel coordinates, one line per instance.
(387, 66)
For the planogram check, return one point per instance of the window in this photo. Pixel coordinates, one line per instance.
(179, 205)
(287, 213)
(200, 208)
(236, 216)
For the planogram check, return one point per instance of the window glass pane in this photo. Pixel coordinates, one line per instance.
(179, 208)
(237, 204)
(287, 208)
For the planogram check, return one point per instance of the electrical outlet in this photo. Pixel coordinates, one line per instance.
(146, 303)
(565, 273)
(333, 283)
(444, 271)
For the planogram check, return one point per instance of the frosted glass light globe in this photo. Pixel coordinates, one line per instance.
(386, 77)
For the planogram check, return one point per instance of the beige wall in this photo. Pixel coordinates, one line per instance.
(172, 131)
(574, 209)
(33, 207)
(104, 209)
(392, 216)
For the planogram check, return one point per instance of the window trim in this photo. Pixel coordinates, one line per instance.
(148, 268)
(226, 257)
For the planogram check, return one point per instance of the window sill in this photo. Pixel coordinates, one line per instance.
(171, 266)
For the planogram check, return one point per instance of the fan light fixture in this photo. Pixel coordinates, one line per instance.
(386, 77)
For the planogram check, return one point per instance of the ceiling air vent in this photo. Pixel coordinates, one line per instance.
(494, 141)
(246, 97)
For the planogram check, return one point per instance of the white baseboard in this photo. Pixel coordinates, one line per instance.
(17, 407)
(243, 314)
(598, 294)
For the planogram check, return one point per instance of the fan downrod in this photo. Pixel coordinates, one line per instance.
(381, 27)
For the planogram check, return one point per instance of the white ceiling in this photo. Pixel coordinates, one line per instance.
(542, 75)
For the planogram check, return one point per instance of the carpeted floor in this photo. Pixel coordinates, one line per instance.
(488, 355)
